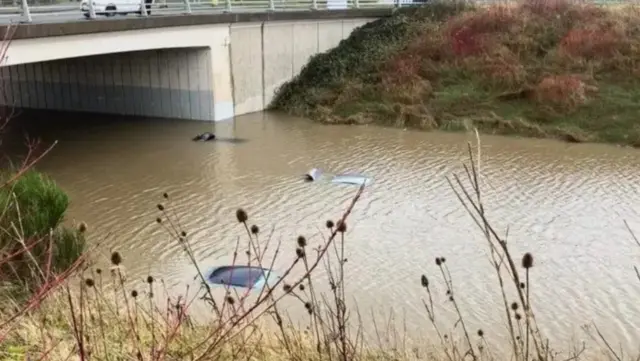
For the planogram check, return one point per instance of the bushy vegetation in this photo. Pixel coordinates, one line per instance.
(34, 245)
(98, 315)
(34, 205)
(540, 68)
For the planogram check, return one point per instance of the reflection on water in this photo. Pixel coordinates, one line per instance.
(565, 203)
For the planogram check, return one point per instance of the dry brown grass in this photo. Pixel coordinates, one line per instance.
(500, 68)
(566, 91)
(472, 33)
(547, 7)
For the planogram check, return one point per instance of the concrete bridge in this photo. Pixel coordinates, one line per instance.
(202, 67)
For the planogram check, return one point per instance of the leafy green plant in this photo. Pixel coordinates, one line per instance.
(33, 206)
(34, 245)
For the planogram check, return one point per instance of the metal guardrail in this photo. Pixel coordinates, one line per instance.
(28, 11)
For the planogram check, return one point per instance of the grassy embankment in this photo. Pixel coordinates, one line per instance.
(95, 314)
(542, 68)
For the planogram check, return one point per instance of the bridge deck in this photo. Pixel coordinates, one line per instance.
(79, 27)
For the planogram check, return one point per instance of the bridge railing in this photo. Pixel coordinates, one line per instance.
(41, 11)
(28, 11)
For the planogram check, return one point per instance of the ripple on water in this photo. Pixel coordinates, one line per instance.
(565, 204)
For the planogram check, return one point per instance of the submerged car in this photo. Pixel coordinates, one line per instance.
(344, 178)
(250, 277)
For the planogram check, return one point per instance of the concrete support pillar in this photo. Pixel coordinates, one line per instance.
(264, 56)
(247, 67)
(277, 54)
(221, 73)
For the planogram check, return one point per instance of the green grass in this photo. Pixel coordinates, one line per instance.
(537, 69)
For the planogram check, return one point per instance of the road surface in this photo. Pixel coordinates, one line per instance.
(76, 15)
(70, 11)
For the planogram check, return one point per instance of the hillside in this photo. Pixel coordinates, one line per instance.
(539, 69)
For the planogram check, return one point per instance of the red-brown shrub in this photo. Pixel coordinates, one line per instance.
(401, 78)
(401, 69)
(405, 66)
(586, 13)
(591, 43)
(568, 91)
(464, 42)
(469, 33)
(546, 7)
(428, 47)
(503, 71)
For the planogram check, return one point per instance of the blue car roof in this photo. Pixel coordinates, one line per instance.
(238, 276)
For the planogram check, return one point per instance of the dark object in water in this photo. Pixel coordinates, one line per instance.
(204, 137)
(240, 276)
(312, 175)
(230, 140)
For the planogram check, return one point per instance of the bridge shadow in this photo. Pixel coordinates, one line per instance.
(228, 140)
(62, 126)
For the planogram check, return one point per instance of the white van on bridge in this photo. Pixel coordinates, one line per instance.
(115, 7)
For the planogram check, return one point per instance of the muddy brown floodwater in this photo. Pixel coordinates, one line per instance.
(565, 203)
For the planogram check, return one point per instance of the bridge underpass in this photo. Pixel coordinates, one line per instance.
(201, 72)
(171, 83)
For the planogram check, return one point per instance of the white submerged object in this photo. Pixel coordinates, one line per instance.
(356, 179)
(313, 175)
(345, 178)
